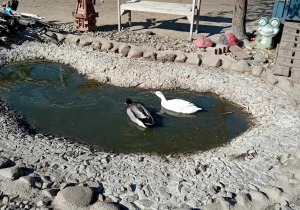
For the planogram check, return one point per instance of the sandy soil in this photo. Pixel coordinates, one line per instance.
(215, 16)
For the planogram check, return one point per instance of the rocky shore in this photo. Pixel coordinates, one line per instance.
(257, 170)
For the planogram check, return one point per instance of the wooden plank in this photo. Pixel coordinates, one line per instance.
(239, 53)
(157, 10)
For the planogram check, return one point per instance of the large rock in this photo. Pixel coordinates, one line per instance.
(242, 199)
(11, 173)
(260, 58)
(166, 56)
(272, 192)
(135, 52)
(212, 61)
(124, 49)
(86, 40)
(72, 39)
(96, 45)
(149, 55)
(60, 37)
(73, 198)
(3, 162)
(103, 206)
(144, 203)
(50, 193)
(257, 196)
(106, 46)
(115, 48)
(49, 37)
(27, 180)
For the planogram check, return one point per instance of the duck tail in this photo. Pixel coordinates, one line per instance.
(148, 121)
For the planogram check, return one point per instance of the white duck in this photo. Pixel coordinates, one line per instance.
(138, 114)
(177, 105)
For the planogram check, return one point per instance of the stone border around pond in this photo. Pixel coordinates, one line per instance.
(277, 77)
(143, 181)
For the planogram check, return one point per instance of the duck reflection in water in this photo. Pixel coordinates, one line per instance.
(175, 114)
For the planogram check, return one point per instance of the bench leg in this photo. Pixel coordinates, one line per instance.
(129, 18)
(198, 16)
(192, 20)
(119, 16)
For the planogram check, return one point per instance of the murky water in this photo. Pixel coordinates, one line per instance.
(56, 100)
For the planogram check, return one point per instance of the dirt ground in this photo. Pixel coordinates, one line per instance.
(215, 16)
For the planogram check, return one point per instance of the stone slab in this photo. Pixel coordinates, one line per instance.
(239, 53)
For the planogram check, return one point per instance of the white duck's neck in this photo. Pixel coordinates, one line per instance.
(163, 98)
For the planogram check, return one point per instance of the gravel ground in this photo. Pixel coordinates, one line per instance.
(190, 180)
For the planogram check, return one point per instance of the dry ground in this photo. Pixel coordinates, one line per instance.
(215, 16)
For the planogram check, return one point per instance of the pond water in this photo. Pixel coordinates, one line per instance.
(56, 100)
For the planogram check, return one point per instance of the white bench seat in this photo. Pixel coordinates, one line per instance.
(158, 7)
(187, 10)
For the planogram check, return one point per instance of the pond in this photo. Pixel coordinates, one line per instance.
(54, 99)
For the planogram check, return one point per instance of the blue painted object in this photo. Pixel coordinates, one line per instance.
(8, 10)
(287, 10)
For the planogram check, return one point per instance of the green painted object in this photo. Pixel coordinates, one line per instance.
(266, 31)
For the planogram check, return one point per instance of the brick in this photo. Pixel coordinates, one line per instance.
(288, 45)
(212, 61)
(224, 48)
(285, 52)
(181, 58)
(290, 30)
(295, 76)
(271, 79)
(228, 62)
(288, 37)
(297, 54)
(149, 55)
(284, 61)
(193, 58)
(219, 49)
(282, 71)
(296, 62)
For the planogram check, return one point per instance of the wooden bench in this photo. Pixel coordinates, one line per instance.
(187, 10)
